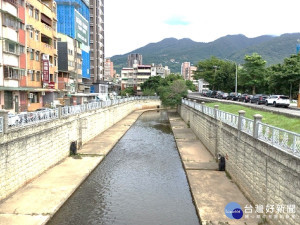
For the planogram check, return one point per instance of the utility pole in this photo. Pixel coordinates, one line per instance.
(299, 97)
(236, 69)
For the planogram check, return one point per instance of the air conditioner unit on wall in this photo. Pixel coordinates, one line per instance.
(30, 95)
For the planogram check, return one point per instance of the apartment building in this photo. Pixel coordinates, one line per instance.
(143, 72)
(134, 77)
(12, 54)
(185, 70)
(159, 70)
(128, 78)
(108, 70)
(97, 40)
(69, 69)
(73, 20)
(134, 59)
(41, 54)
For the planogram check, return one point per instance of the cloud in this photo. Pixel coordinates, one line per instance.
(177, 20)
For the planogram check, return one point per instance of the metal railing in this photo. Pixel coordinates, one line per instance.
(247, 125)
(284, 140)
(29, 118)
(277, 137)
(24, 119)
(228, 118)
(1, 124)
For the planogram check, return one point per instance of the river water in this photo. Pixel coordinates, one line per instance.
(140, 182)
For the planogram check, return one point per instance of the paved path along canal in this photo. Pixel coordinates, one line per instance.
(141, 181)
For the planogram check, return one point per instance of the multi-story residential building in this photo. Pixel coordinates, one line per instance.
(128, 78)
(73, 20)
(159, 70)
(134, 59)
(97, 40)
(143, 72)
(41, 43)
(138, 74)
(12, 54)
(108, 70)
(167, 71)
(69, 68)
(185, 69)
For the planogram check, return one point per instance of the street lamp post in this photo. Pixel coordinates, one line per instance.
(236, 69)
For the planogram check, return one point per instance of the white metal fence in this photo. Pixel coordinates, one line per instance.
(1, 124)
(284, 140)
(28, 118)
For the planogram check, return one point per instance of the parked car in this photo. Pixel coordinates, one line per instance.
(244, 98)
(230, 96)
(278, 100)
(236, 97)
(223, 96)
(259, 99)
(213, 94)
(219, 94)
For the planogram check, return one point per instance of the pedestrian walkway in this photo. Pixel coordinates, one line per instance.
(210, 188)
(37, 202)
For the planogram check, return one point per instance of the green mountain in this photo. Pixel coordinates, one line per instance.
(172, 52)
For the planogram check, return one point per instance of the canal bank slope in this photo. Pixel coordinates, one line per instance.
(211, 189)
(37, 202)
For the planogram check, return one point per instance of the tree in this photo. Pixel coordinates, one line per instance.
(220, 74)
(151, 84)
(190, 85)
(252, 75)
(285, 78)
(171, 95)
(128, 91)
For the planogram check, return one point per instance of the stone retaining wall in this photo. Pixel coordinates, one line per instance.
(267, 176)
(27, 152)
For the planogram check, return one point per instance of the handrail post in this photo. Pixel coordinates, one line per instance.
(241, 115)
(216, 107)
(257, 119)
(4, 114)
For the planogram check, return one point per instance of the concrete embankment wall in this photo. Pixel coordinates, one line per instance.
(267, 176)
(27, 152)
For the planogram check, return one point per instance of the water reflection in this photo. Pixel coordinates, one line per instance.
(140, 182)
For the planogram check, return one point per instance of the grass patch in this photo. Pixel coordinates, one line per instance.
(274, 119)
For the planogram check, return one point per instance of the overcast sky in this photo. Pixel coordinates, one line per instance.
(131, 24)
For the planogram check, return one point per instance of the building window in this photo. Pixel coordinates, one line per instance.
(55, 61)
(30, 11)
(8, 100)
(32, 55)
(11, 47)
(54, 44)
(36, 35)
(38, 76)
(37, 56)
(11, 73)
(37, 14)
(54, 25)
(35, 98)
(30, 33)
(32, 75)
